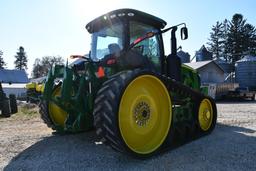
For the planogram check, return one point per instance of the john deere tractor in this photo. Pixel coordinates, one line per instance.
(140, 100)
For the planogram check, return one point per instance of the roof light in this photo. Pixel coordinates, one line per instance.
(130, 14)
(121, 14)
(113, 16)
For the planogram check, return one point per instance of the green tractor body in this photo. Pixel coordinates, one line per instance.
(139, 99)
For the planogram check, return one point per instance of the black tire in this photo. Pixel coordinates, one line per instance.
(27, 99)
(253, 97)
(6, 111)
(43, 110)
(106, 109)
(13, 103)
(214, 117)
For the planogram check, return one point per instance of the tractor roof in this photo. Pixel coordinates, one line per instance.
(119, 15)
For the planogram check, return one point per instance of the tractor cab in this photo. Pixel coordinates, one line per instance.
(128, 39)
(117, 39)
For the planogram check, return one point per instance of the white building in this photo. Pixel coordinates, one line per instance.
(14, 82)
(209, 71)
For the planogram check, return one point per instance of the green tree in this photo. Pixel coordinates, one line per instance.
(42, 66)
(225, 29)
(37, 69)
(233, 39)
(250, 38)
(216, 41)
(2, 63)
(21, 59)
(236, 42)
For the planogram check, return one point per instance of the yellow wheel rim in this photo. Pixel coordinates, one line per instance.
(57, 115)
(205, 115)
(145, 114)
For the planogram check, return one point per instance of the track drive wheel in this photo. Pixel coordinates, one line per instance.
(133, 112)
(52, 114)
(207, 115)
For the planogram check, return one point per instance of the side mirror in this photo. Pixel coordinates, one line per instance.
(184, 33)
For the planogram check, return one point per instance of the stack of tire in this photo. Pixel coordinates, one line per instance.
(8, 106)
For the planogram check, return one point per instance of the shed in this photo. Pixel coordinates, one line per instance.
(209, 71)
(14, 82)
(227, 68)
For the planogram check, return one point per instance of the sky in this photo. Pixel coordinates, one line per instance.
(57, 27)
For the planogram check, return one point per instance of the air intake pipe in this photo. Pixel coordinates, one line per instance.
(173, 61)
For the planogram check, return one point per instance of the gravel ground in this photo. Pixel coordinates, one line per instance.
(27, 144)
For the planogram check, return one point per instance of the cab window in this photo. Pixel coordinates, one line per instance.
(106, 41)
(149, 48)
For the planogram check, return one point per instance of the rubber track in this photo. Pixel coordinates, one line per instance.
(107, 105)
(191, 130)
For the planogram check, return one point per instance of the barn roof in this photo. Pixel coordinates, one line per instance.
(13, 76)
(198, 65)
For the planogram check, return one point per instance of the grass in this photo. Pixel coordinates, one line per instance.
(25, 110)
